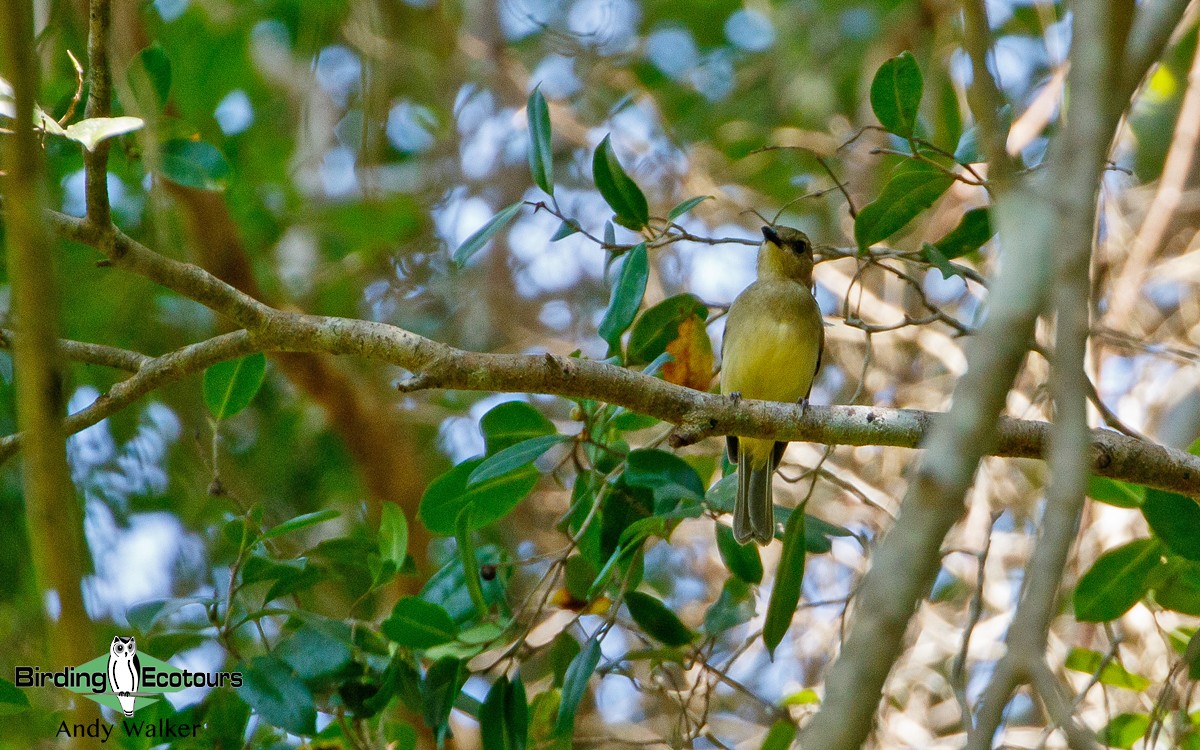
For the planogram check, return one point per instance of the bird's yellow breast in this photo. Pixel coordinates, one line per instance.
(773, 340)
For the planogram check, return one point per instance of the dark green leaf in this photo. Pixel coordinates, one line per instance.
(300, 522)
(971, 233)
(626, 296)
(659, 326)
(502, 723)
(313, 653)
(967, 150)
(446, 496)
(575, 684)
(733, 607)
(896, 94)
(788, 579)
(419, 624)
(12, 698)
(442, 684)
(278, 696)
(938, 261)
(1091, 662)
(621, 193)
(1116, 581)
(514, 457)
(1175, 519)
(741, 559)
(150, 74)
(1179, 589)
(512, 422)
(541, 155)
(194, 164)
(466, 553)
(668, 476)
(911, 190)
(393, 534)
(229, 387)
(476, 241)
(658, 622)
(448, 586)
(780, 736)
(686, 206)
(1124, 730)
(565, 230)
(578, 576)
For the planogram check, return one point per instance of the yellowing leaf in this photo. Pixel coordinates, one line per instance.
(692, 350)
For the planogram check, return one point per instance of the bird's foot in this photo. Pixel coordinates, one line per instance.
(735, 397)
(803, 406)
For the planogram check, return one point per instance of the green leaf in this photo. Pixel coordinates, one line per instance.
(230, 386)
(686, 206)
(315, 652)
(578, 576)
(575, 684)
(419, 624)
(476, 241)
(12, 699)
(91, 131)
(620, 192)
(1090, 662)
(626, 296)
(194, 164)
(733, 607)
(446, 496)
(788, 578)
(466, 553)
(741, 559)
(1116, 581)
(504, 717)
(972, 232)
(668, 476)
(541, 154)
(277, 695)
(565, 230)
(300, 522)
(448, 586)
(896, 94)
(659, 622)
(1179, 588)
(935, 258)
(967, 150)
(512, 422)
(659, 326)
(150, 73)
(393, 534)
(1124, 730)
(1175, 519)
(911, 190)
(514, 457)
(780, 736)
(439, 690)
(1114, 492)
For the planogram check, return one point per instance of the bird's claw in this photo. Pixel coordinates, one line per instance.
(736, 397)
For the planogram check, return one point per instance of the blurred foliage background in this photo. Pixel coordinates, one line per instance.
(329, 156)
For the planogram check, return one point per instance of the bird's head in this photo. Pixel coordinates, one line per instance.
(786, 252)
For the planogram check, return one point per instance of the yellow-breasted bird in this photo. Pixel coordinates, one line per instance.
(774, 337)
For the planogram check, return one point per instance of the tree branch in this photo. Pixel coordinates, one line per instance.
(99, 104)
(90, 354)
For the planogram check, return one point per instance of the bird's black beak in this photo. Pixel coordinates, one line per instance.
(771, 235)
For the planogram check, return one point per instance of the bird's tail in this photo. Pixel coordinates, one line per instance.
(754, 513)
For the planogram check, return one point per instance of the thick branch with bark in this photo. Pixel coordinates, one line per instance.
(437, 365)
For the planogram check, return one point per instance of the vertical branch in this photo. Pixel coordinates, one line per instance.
(52, 510)
(1035, 217)
(99, 104)
(983, 94)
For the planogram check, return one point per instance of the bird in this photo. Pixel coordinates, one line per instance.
(771, 350)
(124, 671)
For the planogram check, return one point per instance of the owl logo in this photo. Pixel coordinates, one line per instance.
(124, 671)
